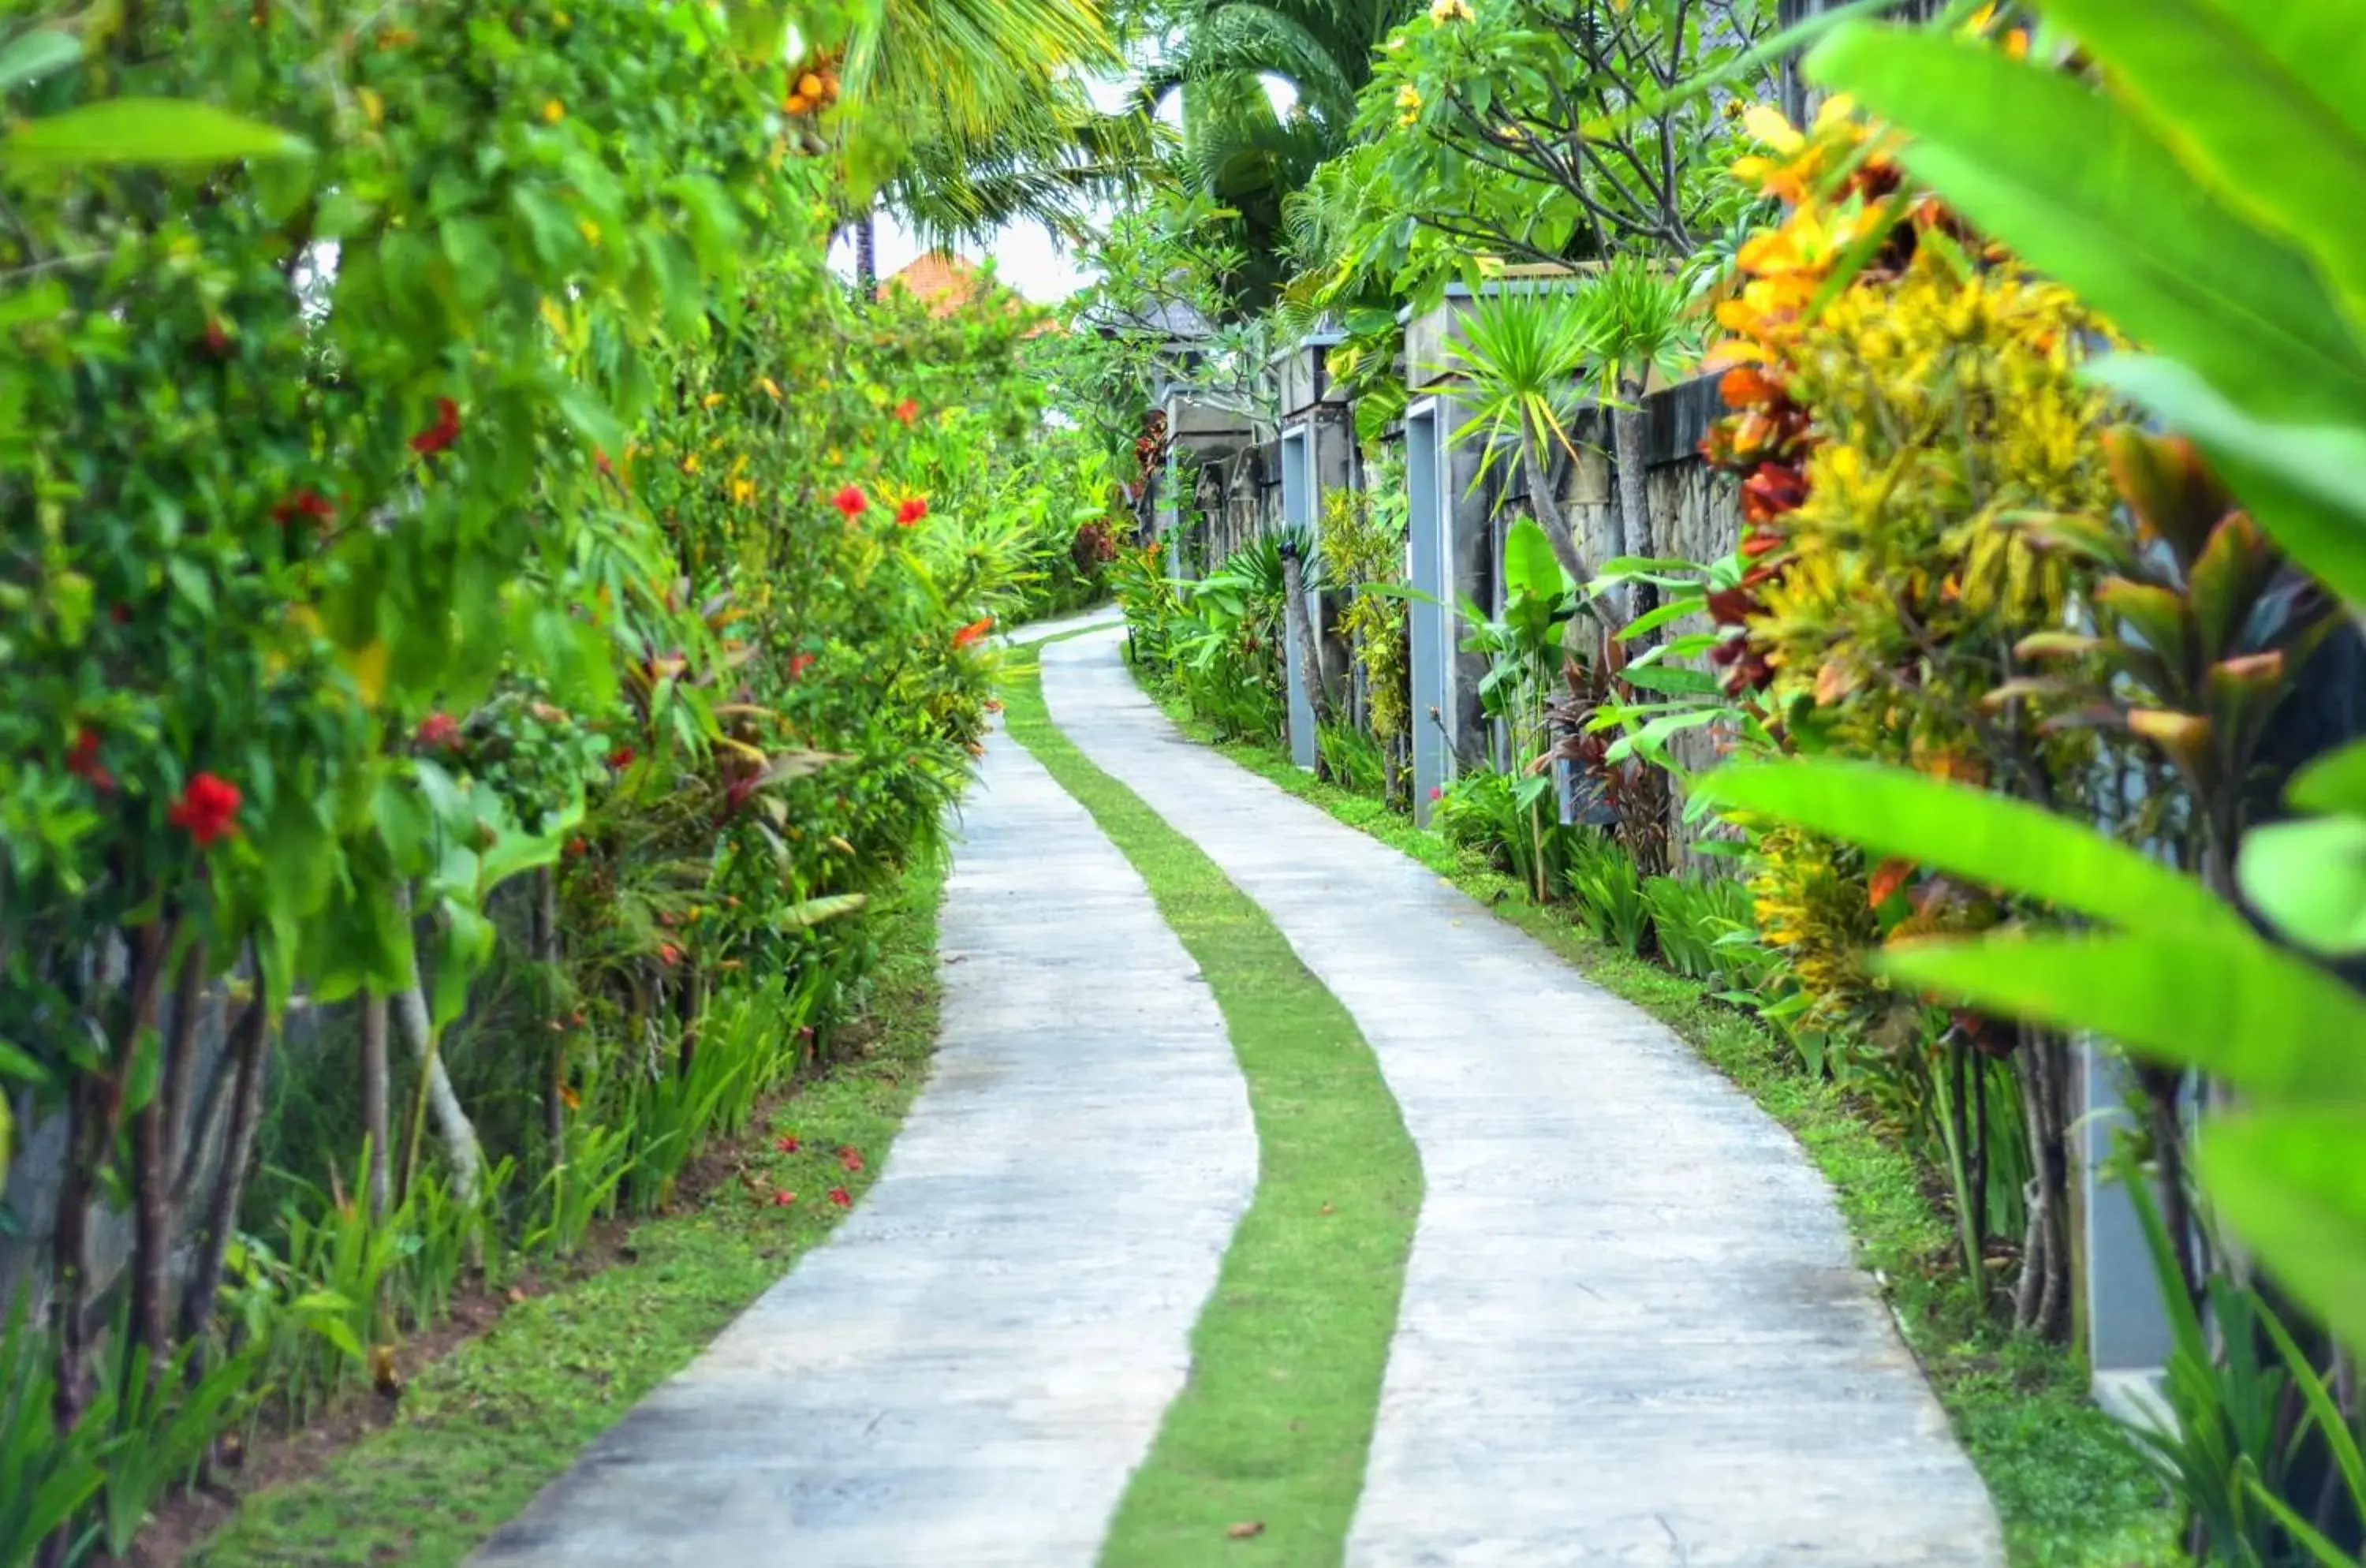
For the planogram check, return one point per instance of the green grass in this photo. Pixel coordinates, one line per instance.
(2071, 1491)
(1269, 1435)
(485, 1428)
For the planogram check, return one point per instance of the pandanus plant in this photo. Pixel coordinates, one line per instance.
(2201, 628)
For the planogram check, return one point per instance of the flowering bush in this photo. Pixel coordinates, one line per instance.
(456, 507)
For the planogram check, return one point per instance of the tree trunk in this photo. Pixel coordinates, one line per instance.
(866, 254)
(1548, 508)
(546, 951)
(377, 1126)
(1302, 635)
(1628, 432)
(452, 1124)
(2041, 1303)
(248, 1036)
(152, 1170)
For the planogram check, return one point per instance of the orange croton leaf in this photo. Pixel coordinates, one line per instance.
(1888, 878)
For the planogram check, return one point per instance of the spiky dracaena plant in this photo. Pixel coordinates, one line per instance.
(1522, 356)
(1644, 324)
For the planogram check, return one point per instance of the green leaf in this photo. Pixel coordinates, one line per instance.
(2333, 783)
(2293, 1185)
(37, 54)
(2263, 101)
(146, 131)
(2305, 484)
(2267, 1021)
(2309, 879)
(1528, 564)
(2122, 222)
(1988, 838)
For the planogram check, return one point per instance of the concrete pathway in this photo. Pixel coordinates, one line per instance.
(968, 1370)
(1631, 1330)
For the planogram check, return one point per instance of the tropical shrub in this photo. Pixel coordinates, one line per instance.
(452, 582)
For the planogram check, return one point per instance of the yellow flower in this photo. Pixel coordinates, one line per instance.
(1445, 11)
(1409, 98)
(709, 401)
(690, 464)
(589, 231)
(743, 490)
(553, 112)
(771, 388)
(1765, 123)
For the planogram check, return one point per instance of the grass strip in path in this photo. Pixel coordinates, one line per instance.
(1261, 1458)
(2069, 1489)
(482, 1430)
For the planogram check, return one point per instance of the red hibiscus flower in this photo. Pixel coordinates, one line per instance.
(912, 510)
(436, 438)
(82, 760)
(306, 502)
(1435, 792)
(669, 953)
(622, 757)
(799, 663)
(579, 845)
(208, 808)
(907, 411)
(851, 501)
(787, 1143)
(851, 1157)
(783, 1198)
(972, 632)
(438, 729)
(841, 1196)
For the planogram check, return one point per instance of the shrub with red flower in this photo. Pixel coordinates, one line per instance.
(304, 502)
(907, 411)
(912, 510)
(83, 761)
(850, 500)
(799, 663)
(439, 436)
(438, 730)
(974, 631)
(206, 809)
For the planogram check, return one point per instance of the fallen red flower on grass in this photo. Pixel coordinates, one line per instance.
(851, 1157)
(208, 808)
(841, 1196)
(787, 1143)
(783, 1198)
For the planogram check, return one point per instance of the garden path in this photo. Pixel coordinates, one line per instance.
(1631, 1331)
(970, 1367)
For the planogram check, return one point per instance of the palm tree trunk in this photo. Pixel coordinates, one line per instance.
(1628, 438)
(866, 254)
(1301, 632)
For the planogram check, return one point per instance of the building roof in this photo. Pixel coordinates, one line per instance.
(941, 280)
